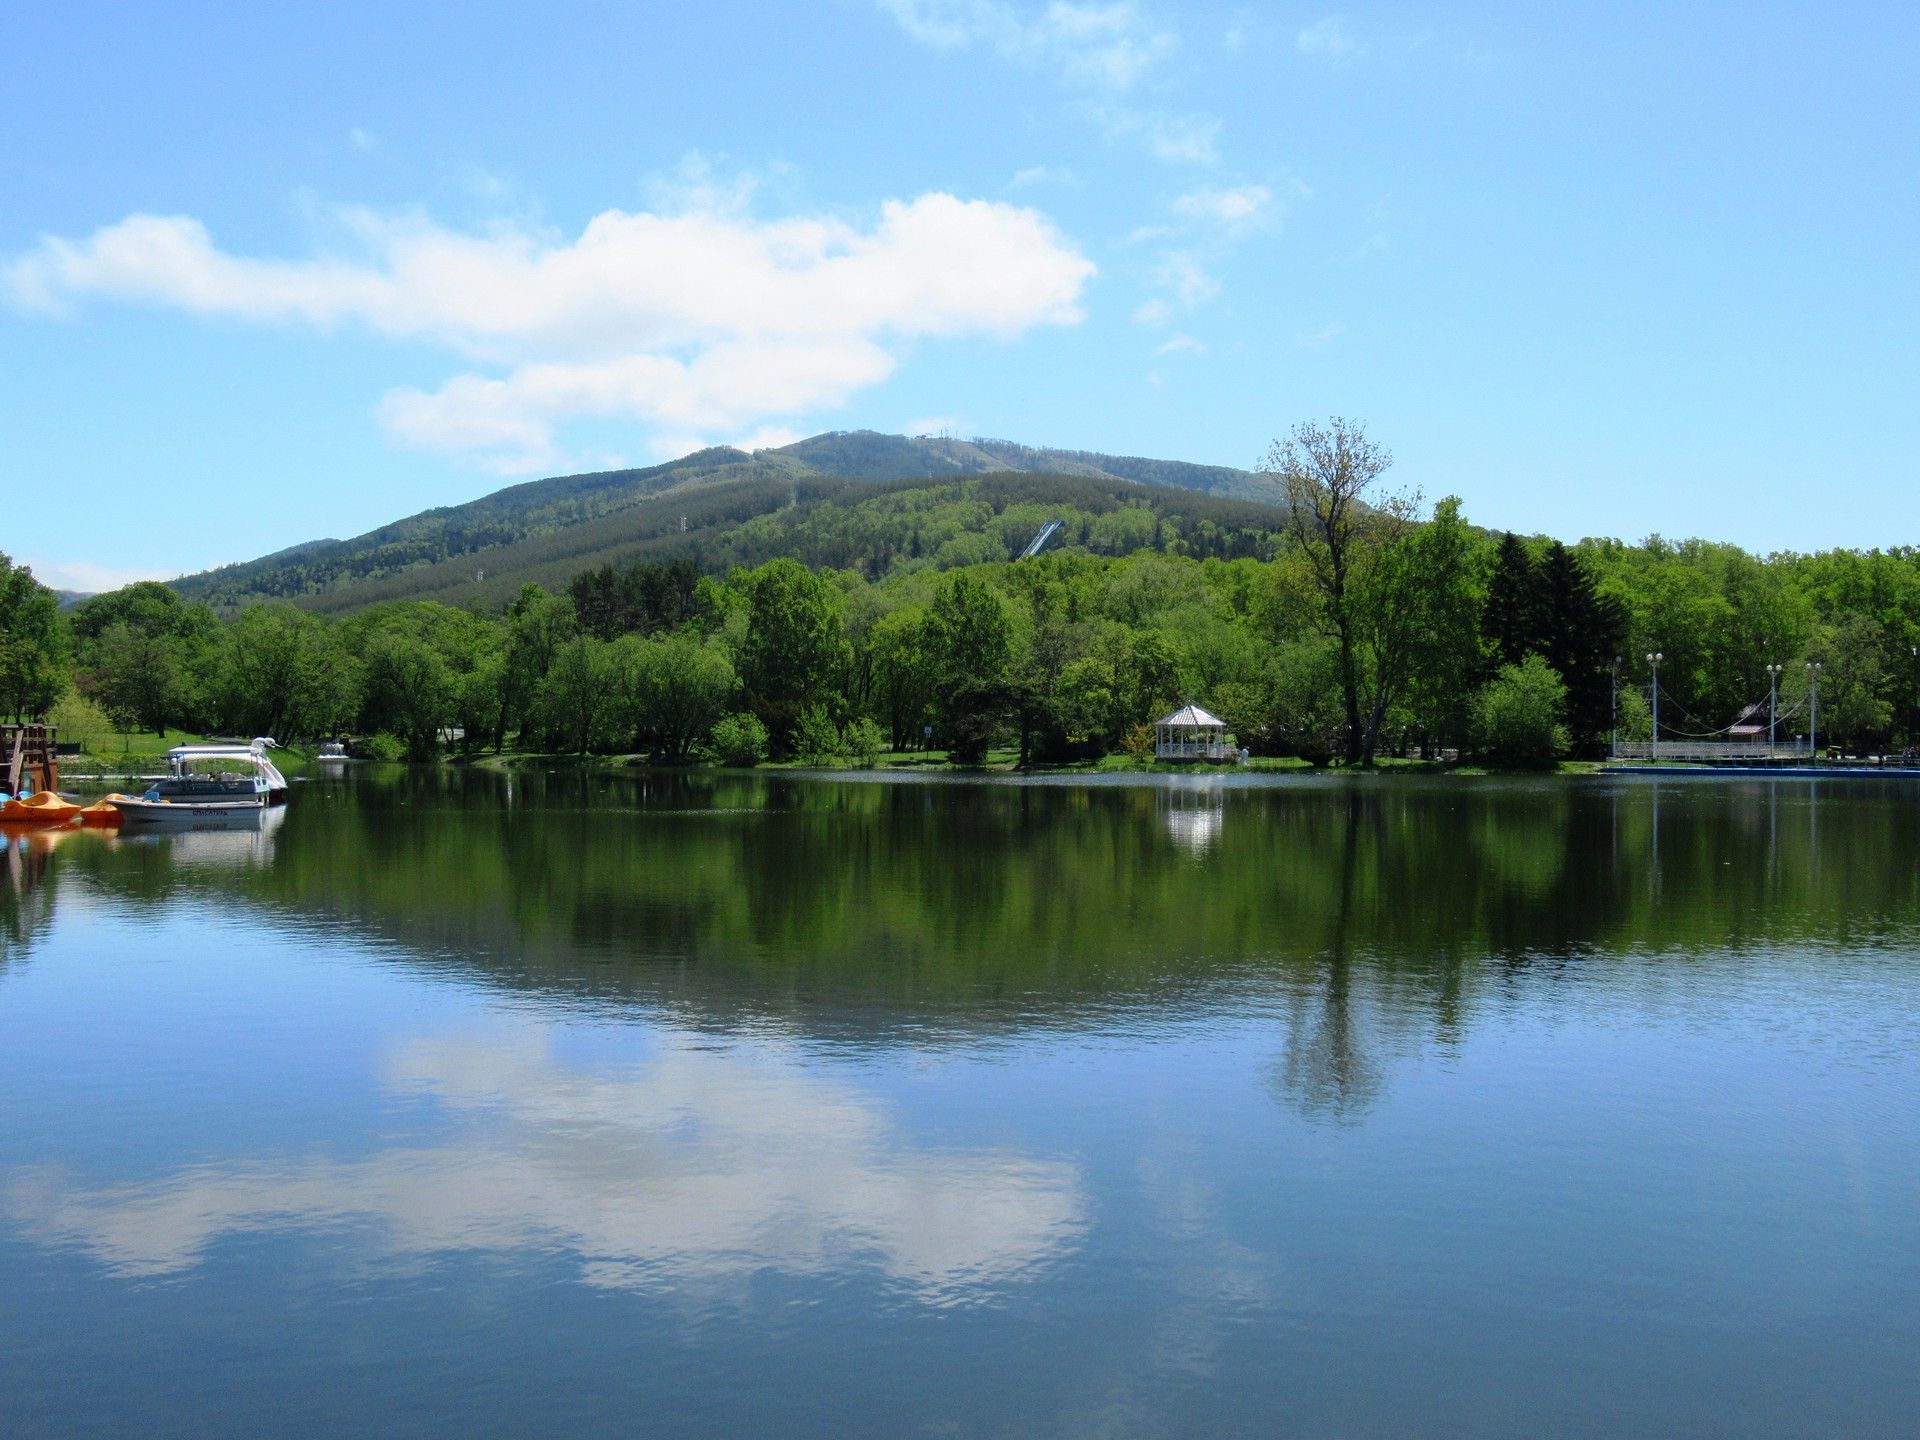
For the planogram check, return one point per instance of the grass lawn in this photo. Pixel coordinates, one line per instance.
(142, 753)
(121, 756)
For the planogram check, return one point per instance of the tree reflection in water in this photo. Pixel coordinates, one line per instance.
(1382, 914)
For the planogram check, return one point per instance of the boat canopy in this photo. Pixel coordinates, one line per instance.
(252, 754)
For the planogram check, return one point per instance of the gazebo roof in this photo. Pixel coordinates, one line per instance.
(1195, 717)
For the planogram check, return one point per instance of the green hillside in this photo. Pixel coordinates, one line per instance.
(549, 530)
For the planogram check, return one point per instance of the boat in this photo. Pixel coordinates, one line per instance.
(102, 812)
(208, 782)
(240, 836)
(40, 808)
(332, 752)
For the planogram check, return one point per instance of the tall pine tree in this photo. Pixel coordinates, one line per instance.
(1510, 621)
(1581, 631)
(1552, 609)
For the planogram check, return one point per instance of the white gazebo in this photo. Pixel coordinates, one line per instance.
(1191, 733)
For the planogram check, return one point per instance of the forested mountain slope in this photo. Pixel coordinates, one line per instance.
(549, 530)
(865, 455)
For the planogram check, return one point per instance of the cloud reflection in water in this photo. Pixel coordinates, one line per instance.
(697, 1165)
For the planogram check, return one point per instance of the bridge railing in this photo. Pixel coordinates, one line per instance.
(1742, 752)
(1758, 753)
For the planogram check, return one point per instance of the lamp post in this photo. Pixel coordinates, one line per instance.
(1613, 706)
(1913, 720)
(1813, 718)
(1773, 703)
(1654, 658)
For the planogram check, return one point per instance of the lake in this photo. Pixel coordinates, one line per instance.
(456, 1104)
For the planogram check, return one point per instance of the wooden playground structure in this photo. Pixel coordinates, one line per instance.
(29, 755)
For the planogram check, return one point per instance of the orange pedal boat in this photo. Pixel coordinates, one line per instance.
(43, 808)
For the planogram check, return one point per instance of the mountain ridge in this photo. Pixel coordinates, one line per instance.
(597, 516)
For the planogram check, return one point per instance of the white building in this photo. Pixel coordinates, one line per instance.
(1191, 733)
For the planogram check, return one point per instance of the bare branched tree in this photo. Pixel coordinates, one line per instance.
(1327, 473)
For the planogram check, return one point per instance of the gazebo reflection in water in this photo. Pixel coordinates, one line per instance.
(1193, 814)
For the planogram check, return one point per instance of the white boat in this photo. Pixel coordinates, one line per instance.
(332, 752)
(243, 837)
(209, 783)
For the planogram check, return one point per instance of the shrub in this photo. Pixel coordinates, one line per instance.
(864, 741)
(739, 740)
(816, 739)
(1138, 742)
(380, 747)
(1516, 716)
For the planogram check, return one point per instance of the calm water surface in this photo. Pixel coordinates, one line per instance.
(739, 1105)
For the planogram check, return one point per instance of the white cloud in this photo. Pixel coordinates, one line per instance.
(1327, 39)
(1206, 225)
(1176, 139)
(1182, 273)
(767, 437)
(362, 139)
(725, 387)
(1110, 46)
(694, 320)
(1153, 312)
(1236, 209)
(1112, 55)
(1184, 280)
(1042, 175)
(87, 577)
(1181, 345)
(934, 425)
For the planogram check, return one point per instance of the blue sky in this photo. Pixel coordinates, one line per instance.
(1612, 270)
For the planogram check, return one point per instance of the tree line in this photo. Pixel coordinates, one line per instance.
(1362, 624)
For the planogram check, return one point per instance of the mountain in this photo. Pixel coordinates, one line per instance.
(867, 455)
(549, 530)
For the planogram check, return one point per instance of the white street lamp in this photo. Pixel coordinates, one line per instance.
(1813, 719)
(1654, 658)
(1773, 703)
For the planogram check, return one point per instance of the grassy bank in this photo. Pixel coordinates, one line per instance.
(1005, 760)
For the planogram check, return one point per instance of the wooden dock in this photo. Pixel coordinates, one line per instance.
(29, 755)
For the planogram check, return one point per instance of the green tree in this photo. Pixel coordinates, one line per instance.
(138, 674)
(538, 624)
(1511, 622)
(278, 671)
(671, 691)
(146, 653)
(1581, 631)
(1413, 607)
(1517, 714)
(904, 678)
(740, 740)
(1854, 710)
(33, 644)
(408, 691)
(579, 693)
(793, 647)
(864, 741)
(816, 739)
(1327, 474)
(969, 642)
(1307, 700)
(1433, 681)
